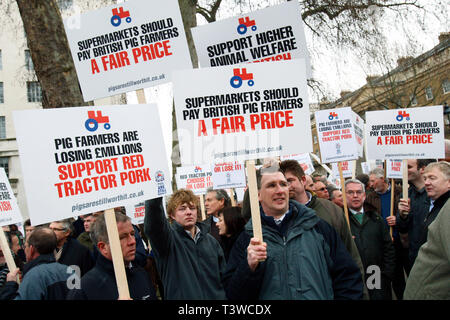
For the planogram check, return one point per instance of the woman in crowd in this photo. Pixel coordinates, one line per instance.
(230, 224)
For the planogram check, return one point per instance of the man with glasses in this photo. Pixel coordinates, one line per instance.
(321, 190)
(68, 250)
(373, 241)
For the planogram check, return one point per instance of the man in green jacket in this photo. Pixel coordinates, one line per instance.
(429, 278)
(324, 209)
(189, 260)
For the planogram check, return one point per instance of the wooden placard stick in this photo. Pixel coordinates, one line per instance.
(141, 96)
(117, 256)
(344, 195)
(202, 207)
(254, 203)
(233, 200)
(354, 169)
(405, 185)
(7, 253)
(392, 202)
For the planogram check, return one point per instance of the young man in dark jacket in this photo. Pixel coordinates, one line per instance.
(190, 261)
(373, 241)
(100, 283)
(303, 257)
(44, 278)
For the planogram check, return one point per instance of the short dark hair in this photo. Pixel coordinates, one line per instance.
(364, 178)
(422, 163)
(293, 167)
(234, 220)
(27, 223)
(43, 239)
(99, 231)
(274, 167)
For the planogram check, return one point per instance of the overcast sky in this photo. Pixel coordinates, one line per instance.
(337, 68)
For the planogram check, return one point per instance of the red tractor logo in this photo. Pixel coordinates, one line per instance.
(118, 15)
(333, 115)
(401, 115)
(93, 120)
(239, 76)
(244, 23)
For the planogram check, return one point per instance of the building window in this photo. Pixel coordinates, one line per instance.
(429, 93)
(34, 92)
(2, 97)
(4, 163)
(446, 86)
(413, 99)
(2, 128)
(28, 60)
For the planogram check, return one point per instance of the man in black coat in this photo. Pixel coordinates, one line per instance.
(69, 251)
(373, 241)
(100, 282)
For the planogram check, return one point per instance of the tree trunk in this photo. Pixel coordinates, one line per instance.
(52, 59)
(188, 11)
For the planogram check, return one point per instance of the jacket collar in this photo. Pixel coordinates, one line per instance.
(439, 202)
(42, 259)
(107, 265)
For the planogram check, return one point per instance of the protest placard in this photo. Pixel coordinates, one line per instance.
(226, 175)
(365, 166)
(358, 125)
(9, 210)
(87, 159)
(394, 169)
(238, 113)
(136, 213)
(127, 46)
(413, 133)
(347, 169)
(336, 135)
(271, 34)
(196, 178)
(303, 159)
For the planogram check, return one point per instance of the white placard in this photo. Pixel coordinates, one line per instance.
(240, 113)
(9, 210)
(365, 166)
(358, 126)
(88, 159)
(303, 159)
(136, 213)
(394, 169)
(196, 178)
(271, 34)
(128, 46)
(240, 192)
(227, 175)
(413, 133)
(336, 135)
(347, 169)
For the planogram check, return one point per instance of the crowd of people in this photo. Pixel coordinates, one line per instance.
(310, 248)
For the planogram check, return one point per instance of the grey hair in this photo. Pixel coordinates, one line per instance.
(67, 224)
(379, 173)
(442, 166)
(221, 194)
(357, 182)
(98, 229)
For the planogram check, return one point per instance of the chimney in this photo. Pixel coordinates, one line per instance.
(444, 36)
(344, 93)
(370, 79)
(404, 60)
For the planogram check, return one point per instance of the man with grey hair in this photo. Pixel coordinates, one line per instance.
(372, 239)
(215, 202)
(436, 177)
(100, 283)
(68, 250)
(380, 198)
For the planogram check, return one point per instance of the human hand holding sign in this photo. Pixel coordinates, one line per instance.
(256, 252)
(404, 207)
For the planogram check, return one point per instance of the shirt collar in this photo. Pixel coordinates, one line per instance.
(309, 198)
(356, 212)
